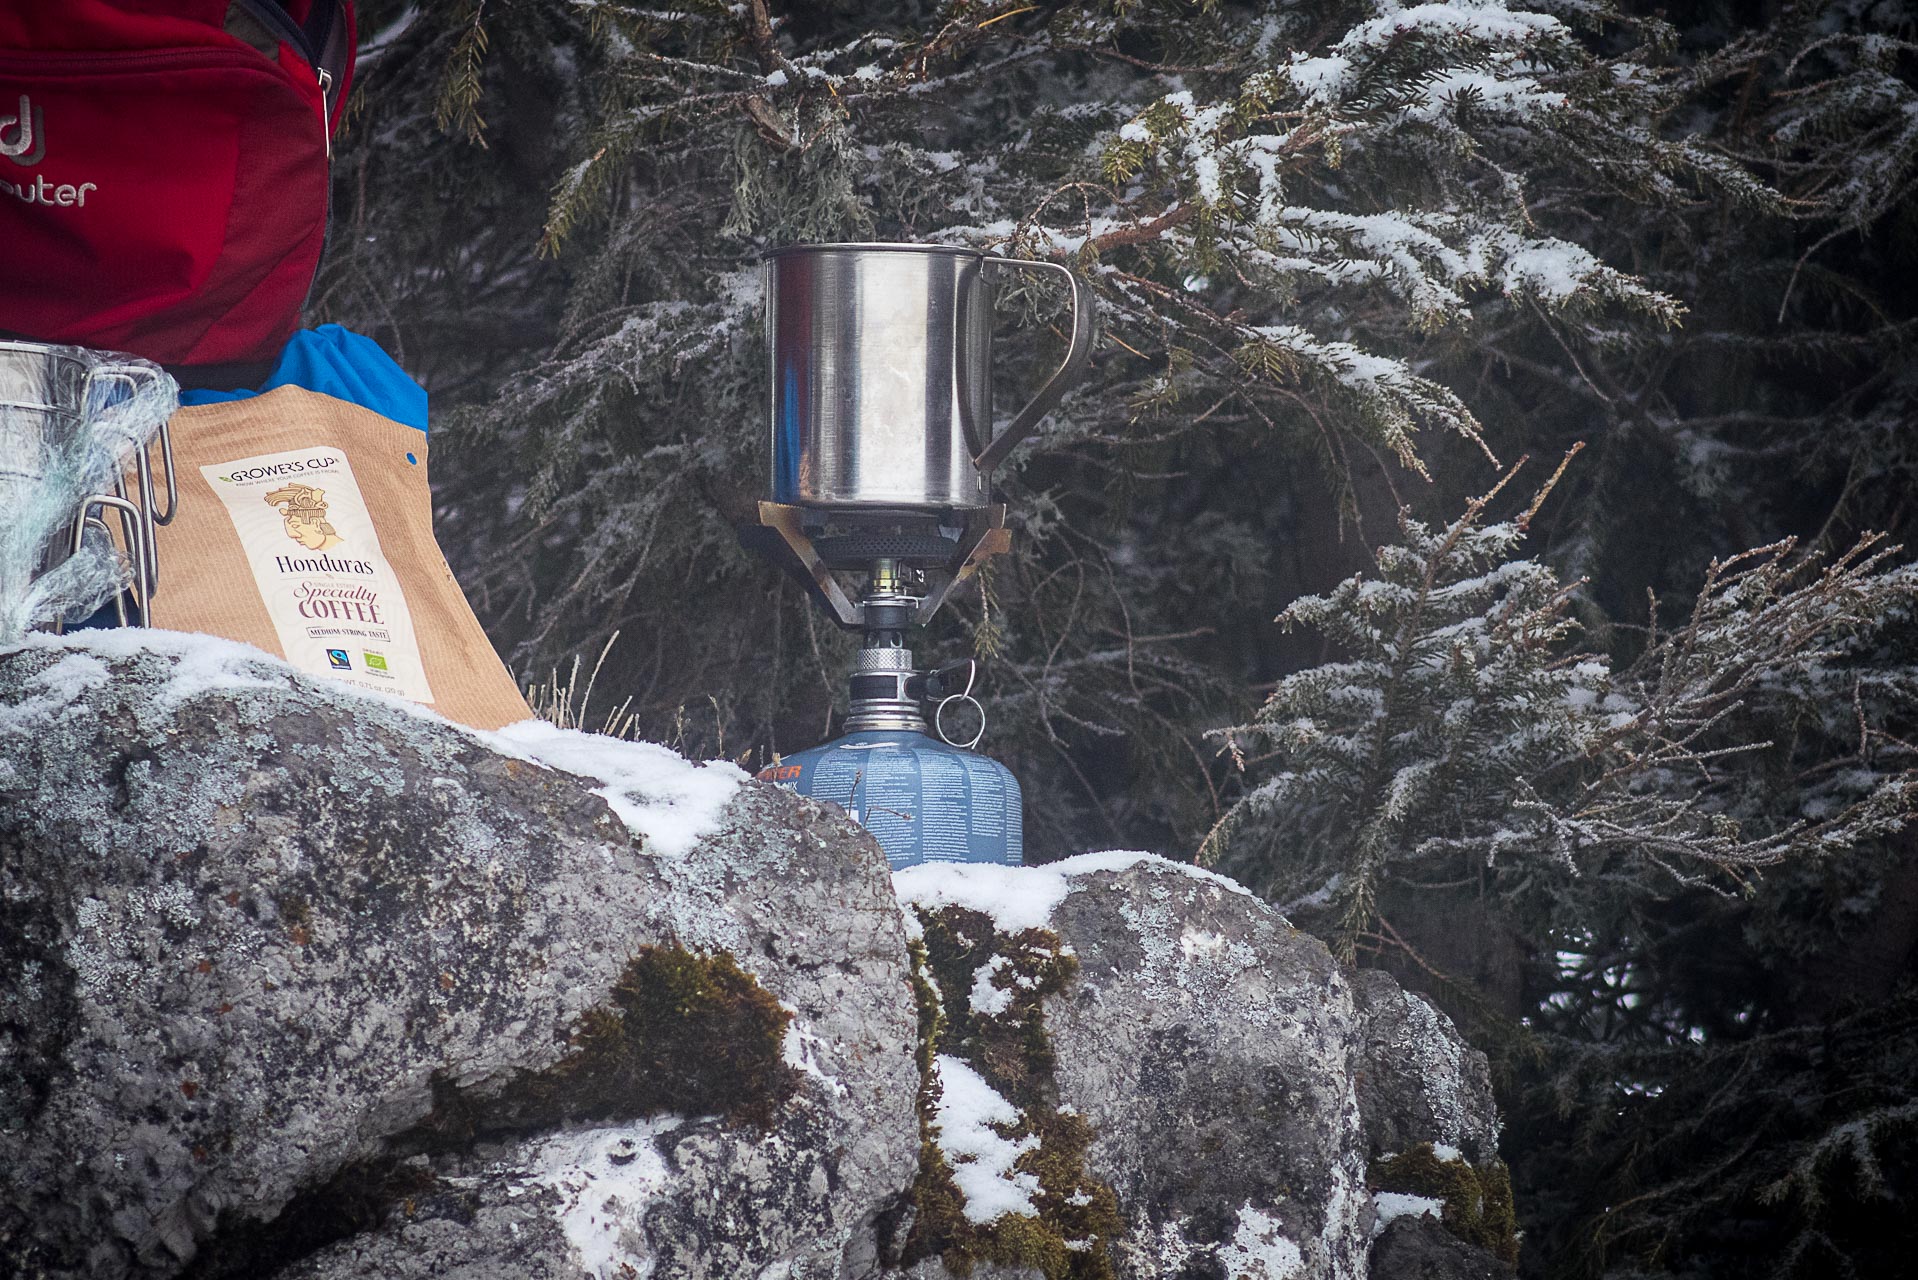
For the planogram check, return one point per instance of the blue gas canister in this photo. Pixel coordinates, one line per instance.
(923, 799)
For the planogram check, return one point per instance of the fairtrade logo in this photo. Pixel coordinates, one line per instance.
(338, 660)
(23, 137)
(304, 509)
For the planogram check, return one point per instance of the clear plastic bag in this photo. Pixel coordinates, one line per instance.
(73, 423)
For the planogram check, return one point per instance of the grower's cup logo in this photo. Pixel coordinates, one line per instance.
(304, 509)
(23, 136)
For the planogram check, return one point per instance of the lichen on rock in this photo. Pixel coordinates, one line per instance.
(260, 934)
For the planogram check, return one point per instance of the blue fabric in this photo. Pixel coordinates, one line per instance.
(339, 363)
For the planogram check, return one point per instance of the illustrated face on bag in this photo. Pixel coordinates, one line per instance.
(304, 510)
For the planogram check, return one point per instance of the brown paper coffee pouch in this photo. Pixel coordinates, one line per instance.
(305, 528)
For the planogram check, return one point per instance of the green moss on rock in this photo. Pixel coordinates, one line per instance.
(1477, 1199)
(938, 1208)
(681, 1032)
(1078, 1215)
(1009, 1048)
(931, 1011)
(684, 1033)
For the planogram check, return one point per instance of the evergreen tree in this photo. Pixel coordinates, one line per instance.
(1537, 838)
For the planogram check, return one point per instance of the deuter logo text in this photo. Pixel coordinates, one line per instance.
(23, 140)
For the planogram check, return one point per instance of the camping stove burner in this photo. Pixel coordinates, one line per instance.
(922, 543)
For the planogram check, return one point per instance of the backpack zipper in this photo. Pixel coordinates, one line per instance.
(114, 59)
(326, 110)
(240, 58)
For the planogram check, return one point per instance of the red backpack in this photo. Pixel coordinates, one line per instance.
(163, 170)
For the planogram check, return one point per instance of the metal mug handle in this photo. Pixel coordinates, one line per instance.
(1085, 327)
(136, 376)
(137, 530)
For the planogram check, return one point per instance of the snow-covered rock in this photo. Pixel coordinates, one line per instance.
(301, 983)
(1238, 1082)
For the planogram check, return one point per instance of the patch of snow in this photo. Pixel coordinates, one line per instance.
(1194, 943)
(1397, 1204)
(1319, 79)
(776, 78)
(52, 691)
(1552, 269)
(799, 1049)
(1203, 150)
(1126, 859)
(1021, 898)
(1489, 22)
(1317, 898)
(1269, 33)
(1517, 96)
(1445, 1151)
(986, 998)
(206, 664)
(71, 677)
(981, 1160)
(606, 1179)
(1259, 1249)
(660, 796)
(203, 664)
(371, 47)
(1352, 366)
(1017, 898)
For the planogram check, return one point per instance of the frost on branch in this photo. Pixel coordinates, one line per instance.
(1462, 733)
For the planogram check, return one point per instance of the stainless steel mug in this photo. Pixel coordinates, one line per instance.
(881, 374)
(42, 399)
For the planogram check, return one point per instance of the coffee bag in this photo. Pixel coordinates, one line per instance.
(305, 528)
